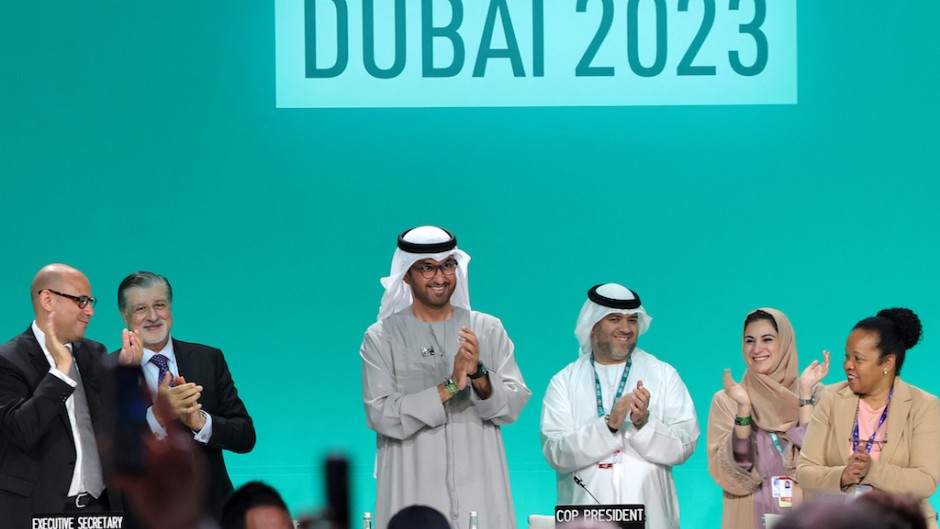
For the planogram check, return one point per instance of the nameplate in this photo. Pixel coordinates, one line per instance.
(100, 520)
(623, 516)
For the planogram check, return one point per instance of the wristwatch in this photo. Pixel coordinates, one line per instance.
(481, 372)
(609, 427)
(451, 387)
(808, 402)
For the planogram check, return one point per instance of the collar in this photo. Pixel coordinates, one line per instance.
(844, 406)
(167, 351)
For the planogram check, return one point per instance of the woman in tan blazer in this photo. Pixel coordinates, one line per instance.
(875, 431)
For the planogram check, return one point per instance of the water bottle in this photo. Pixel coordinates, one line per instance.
(474, 523)
(367, 520)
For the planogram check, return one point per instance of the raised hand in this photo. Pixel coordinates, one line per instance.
(60, 354)
(639, 409)
(468, 357)
(737, 393)
(132, 348)
(171, 489)
(813, 374)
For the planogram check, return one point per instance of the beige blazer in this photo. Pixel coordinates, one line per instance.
(910, 460)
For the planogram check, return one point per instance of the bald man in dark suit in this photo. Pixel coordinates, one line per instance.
(51, 407)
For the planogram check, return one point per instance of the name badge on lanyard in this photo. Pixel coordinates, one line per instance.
(782, 490)
(617, 456)
(782, 486)
(614, 459)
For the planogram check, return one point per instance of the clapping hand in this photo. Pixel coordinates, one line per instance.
(813, 374)
(856, 468)
(177, 402)
(737, 393)
(468, 357)
(60, 354)
(132, 348)
(194, 418)
(639, 408)
(618, 414)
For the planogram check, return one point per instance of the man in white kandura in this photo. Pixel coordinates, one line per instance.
(618, 419)
(438, 381)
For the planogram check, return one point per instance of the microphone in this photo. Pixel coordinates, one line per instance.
(580, 483)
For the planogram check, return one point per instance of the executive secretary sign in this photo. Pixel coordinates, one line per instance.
(465, 53)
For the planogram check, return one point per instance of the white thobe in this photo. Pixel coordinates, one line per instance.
(448, 456)
(575, 440)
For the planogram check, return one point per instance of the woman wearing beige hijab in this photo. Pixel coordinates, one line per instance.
(756, 428)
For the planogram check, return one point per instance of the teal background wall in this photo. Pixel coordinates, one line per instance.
(146, 136)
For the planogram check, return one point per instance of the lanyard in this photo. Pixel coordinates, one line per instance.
(871, 440)
(597, 386)
(776, 440)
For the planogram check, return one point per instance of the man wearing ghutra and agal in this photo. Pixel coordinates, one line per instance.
(616, 420)
(438, 382)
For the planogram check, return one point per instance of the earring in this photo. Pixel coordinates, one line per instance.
(886, 371)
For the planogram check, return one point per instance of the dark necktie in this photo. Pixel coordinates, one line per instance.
(91, 464)
(162, 364)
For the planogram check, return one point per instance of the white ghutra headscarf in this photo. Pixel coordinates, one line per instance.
(607, 299)
(417, 244)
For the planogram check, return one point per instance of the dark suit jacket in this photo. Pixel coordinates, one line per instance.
(37, 450)
(232, 428)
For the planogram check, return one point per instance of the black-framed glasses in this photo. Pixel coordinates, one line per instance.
(428, 270)
(82, 301)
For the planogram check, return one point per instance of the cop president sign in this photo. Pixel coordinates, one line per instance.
(459, 53)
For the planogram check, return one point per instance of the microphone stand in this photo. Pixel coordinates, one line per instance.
(580, 483)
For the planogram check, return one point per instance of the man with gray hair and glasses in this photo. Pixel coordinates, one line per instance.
(51, 408)
(438, 382)
(192, 382)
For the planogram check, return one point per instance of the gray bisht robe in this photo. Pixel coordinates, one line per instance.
(449, 456)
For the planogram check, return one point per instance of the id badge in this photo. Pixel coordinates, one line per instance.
(782, 490)
(614, 459)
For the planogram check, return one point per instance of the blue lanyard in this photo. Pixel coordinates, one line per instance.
(597, 386)
(871, 440)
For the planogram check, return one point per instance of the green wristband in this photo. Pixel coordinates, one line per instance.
(451, 387)
(742, 421)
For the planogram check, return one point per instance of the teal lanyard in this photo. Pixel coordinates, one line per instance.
(597, 386)
(776, 440)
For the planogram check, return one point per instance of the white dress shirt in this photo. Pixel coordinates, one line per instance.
(78, 476)
(151, 374)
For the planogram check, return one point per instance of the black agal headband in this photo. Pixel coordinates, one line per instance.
(433, 247)
(614, 303)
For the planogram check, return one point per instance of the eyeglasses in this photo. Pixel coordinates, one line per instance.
(82, 301)
(880, 443)
(428, 270)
